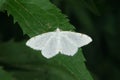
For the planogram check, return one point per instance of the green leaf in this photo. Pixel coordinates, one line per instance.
(20, 56)
(2, 4)
(37, 16)
(5, 75)
(50, 74)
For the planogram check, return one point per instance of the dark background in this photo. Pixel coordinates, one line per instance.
(100, 19)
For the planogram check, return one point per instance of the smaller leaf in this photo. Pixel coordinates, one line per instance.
(20, 56)
(5, 75)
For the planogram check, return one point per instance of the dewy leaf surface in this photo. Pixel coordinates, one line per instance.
(36, 17)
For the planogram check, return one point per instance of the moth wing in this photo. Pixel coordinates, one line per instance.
(78, 39)
(51, 47)
(67, 47)
(39, 41)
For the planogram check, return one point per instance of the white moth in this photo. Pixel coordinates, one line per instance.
(65, 42)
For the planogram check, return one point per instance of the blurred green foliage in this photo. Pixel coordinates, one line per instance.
(97, 18)
(100, 19)
(4, 75)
